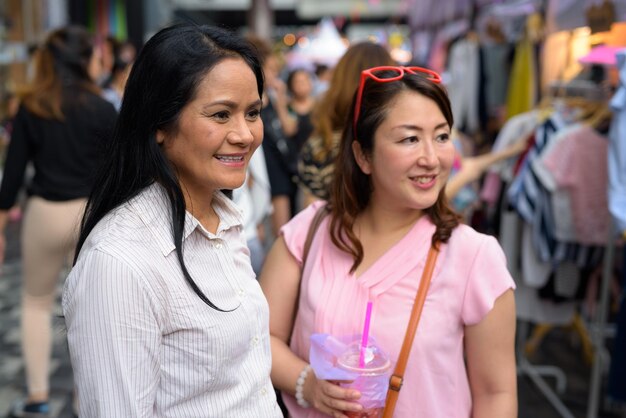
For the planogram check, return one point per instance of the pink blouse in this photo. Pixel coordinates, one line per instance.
(469, 276)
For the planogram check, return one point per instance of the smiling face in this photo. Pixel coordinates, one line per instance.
(412, 154)
(217, 131)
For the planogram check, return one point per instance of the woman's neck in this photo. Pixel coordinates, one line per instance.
(202, 209)
(384, 220)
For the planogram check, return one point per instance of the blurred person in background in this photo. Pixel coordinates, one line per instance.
(254, 198)
(301, 102)
(12, 104)
(315, 165)
(279, 128)
(114, 51)
(61, 126)
(323, 74)
(108, 47)
(114, 91)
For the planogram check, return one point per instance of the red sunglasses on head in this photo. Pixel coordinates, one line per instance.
(400, 71)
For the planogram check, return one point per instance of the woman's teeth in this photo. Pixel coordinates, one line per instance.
(423, 180)
(229, 158)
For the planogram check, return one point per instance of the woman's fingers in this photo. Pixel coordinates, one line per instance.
(340, 399)
(334, 390)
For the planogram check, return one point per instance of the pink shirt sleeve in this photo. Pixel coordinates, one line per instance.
(488, 280)
(294, 232)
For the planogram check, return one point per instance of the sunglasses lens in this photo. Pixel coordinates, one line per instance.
(387, 74)
(424, 73)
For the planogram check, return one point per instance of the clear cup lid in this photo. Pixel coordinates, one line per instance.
(375, 360)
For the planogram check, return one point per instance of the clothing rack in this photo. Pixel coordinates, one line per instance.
(600, 351)
(589, 91)
(537, 373)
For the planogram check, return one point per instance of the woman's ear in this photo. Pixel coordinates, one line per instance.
(361, 158)
(160, 137)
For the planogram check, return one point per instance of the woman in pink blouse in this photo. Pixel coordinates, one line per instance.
(387, 208)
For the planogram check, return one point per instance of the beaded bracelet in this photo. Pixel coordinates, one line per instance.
(300, 385)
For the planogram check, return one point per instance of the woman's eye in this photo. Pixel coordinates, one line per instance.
(220, 116)
(443, 137)
(410, 140)
(254, 114)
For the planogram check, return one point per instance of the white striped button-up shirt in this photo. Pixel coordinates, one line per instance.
(142, 343)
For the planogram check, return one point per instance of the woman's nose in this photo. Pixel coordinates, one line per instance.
(241, 133)
(428, 157)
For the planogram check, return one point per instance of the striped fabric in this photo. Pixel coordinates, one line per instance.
(142, 343)
(532, 201)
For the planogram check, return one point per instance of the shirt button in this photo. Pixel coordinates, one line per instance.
(263, 391)
(218, 245)
(255, 341)
(240, 292)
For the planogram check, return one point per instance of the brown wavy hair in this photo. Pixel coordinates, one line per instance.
(61, 67)
(352, 189)
(329, 115)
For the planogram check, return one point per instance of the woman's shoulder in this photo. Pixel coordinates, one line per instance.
(296, 230)
(468, 243)
(465, 232)
(120, 232)
(302, 219)
(118, 257)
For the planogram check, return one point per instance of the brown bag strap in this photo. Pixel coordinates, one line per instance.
(395, 382)
(313, 227)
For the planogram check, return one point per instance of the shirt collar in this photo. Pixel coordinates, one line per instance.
(153, 208)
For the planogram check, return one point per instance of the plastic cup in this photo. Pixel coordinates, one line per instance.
(372, 379)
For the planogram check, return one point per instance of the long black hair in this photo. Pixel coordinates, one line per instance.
(164, 79)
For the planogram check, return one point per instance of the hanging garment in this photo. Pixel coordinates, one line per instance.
(535, 272)
(532, 201)
(617, 149)
(522, 83)
(519, 126)
(530, 307)
(464, 69)
(586, 185)
(496, 69)
(561, 206)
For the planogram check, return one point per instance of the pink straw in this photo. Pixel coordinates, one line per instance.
(365, 337)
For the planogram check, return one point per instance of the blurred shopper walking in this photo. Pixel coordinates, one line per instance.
(301, 103)
(59, 127)
(122, 63)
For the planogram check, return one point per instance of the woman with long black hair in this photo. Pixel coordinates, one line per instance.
(163, 312)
